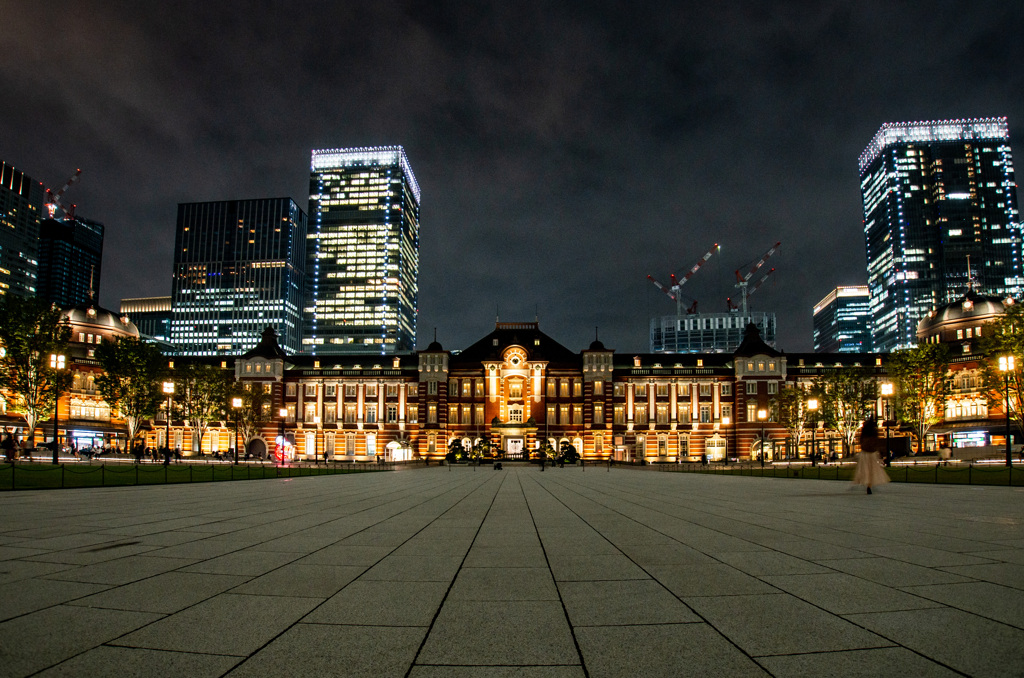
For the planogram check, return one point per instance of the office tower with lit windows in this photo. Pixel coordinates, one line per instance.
(151, 315)
(940, 214)
(21, 211)
(239, 267)
(70, 260)
(842, 321)
(362, 252)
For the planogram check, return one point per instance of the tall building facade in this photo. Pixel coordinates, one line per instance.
(70, 260)
(239, 267)
(842, 321)
(362, 252)
(940, 212)
(21, 211)
(708, 332)
(151, 315)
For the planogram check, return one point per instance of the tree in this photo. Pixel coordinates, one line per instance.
(201, 395)
(1005, 337)
(131, 370)
(791, 409)
(31, 331)
(921, 384)
(567, 452)
(255, 410)
(846, 396)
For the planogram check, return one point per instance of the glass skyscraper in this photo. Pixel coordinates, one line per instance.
(940, 199)
(362, 252)
(842, 321)
(239, 266)
(70, 261)
(21, 211)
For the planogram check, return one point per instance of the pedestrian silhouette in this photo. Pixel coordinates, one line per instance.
(869, 469)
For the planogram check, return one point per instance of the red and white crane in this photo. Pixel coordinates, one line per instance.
(743, 281)
(53, 202)
(673, 289)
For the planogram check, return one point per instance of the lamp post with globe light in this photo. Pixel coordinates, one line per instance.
(282, 413)
(762, 415)
(1006, 366)
(236, 405)
(169, 392)
(57, 365)
(886, 395)
(812, 407)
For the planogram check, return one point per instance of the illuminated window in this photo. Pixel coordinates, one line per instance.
(705, 389)
(515, 414)
(577, 388)
(432, 413)
(551, 417)
(619, 414)
(598, 388)
(662, 413)
(577, 414)
(350, 390)
(515, 388)
(350, 414)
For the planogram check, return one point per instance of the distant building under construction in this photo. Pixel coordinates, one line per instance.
(707, 332)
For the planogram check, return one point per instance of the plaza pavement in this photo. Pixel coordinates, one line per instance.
(564, 573)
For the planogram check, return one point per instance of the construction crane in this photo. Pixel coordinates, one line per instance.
(673, 289)
(743, 281)
(53, 202)
(753, 288)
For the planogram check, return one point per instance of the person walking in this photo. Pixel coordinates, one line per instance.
(869, 469)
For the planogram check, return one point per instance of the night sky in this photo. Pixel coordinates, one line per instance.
(565, 150)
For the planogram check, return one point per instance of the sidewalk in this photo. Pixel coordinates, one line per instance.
(460, 572)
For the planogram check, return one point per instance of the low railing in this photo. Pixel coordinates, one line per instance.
(23, 475)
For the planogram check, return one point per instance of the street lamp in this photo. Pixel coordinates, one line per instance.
(726, 420)
(169, 390)
(886, 394)
(316, 441)
(282, 413)
(812, 406)
(57, 365)
(236, 405)
(1006, 366)
(762, 415)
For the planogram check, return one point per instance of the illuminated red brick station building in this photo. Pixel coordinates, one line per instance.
(518, 387)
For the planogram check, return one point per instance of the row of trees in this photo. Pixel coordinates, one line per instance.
(131, 382)
(921, 385)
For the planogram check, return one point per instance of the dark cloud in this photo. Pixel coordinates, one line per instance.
(565, 150)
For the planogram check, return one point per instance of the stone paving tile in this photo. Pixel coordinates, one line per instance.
(532, 632)
(1007, 574)
(522, 556)
(594, 568)
(716, 579)
(669, 650)
(200, 549)
(225, 624)
(982, 598)
(10, 552)
(41, 639)
(318, 650)
(924, 556)
(893, 572)
(382, 603)
(252, 563)
(302, 580)
(122, 570)
(16, 570)
(765, 563)
(760, 625)
(31, 595)
(129, 661)
(165, 593)
(347, 554)
(96, 553)
(961, 640)
(620, 603)
(897, 661)
(496, 583)
(841, 593)
(415, 568)
(674, 553)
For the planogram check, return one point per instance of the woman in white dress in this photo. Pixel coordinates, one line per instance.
(869, 462)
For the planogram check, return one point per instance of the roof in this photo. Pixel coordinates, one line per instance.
(94, 315)
(267, 348)
(971, 306)
(753, 344)
(538, 345)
